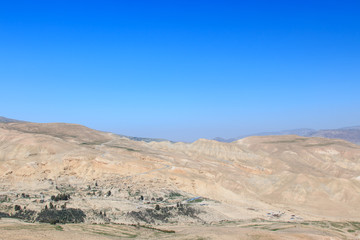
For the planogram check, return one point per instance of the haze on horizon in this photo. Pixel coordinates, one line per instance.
(181, 71)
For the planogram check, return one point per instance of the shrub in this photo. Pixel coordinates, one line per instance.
(60, 197)
(27, 215)
(2, 214)
(23, 195)
(174, 195)
(164, 214)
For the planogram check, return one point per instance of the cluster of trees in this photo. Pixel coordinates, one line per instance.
(60, 197)
(53, 216)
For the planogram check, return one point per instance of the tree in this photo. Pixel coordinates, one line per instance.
(60, 197)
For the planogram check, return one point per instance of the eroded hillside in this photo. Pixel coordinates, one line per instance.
(114, 179)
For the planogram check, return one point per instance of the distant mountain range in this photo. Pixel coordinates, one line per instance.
(146, 139)
(351, 134)
(8, 120)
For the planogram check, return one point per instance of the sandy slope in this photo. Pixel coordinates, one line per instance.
(299, 178)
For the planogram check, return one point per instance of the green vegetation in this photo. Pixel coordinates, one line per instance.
(60, 197)
(339, 225)
(27, 215)
(17, 208)
(197, 200)
(173, 195)
(163, 214)
(23, 195)
(355, 225)
(53, 216)
(125, 148)
(59, 228)
(152, 228)
(92, 143)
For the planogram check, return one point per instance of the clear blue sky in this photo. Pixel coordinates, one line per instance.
(181, 69)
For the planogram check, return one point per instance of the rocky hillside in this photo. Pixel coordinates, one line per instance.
(112, 178)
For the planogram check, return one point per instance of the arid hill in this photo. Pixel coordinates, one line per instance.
(114, 179)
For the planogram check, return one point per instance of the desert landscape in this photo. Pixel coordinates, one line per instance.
(61, 180)
(185, 120)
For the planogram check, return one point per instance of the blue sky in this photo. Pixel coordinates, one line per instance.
(181, 69)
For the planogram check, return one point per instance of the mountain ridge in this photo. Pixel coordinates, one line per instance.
(351, 134)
